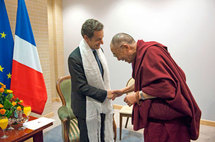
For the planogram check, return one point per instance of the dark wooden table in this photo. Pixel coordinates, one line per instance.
(22, 135)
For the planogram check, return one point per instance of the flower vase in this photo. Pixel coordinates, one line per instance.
(19, 119)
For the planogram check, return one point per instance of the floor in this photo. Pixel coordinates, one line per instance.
(207, 133)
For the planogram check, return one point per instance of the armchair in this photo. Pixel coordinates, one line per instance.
(69, 122)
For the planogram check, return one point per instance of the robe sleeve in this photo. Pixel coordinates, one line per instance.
(157, 80)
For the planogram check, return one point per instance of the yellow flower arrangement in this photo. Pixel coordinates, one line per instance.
(8, 104)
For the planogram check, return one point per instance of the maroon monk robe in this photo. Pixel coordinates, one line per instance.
(174, 114)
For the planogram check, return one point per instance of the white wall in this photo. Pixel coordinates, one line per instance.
(186, 27)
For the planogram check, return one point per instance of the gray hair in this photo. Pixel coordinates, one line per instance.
(90, 26)
(120, 38)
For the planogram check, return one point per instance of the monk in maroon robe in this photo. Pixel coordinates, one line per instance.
(163, 103)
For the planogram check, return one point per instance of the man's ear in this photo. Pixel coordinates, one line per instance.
(86, 38)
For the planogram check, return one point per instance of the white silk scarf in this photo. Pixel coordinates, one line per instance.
(93, 107)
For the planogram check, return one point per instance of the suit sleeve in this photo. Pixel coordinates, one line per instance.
(81, 84)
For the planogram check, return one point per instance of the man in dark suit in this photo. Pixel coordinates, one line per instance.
(91, 95)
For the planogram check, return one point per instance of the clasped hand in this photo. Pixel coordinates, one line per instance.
(130, 99)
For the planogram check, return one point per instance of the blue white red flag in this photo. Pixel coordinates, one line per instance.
(27, 78)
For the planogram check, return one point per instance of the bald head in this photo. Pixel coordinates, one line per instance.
(122, 38)
(123, 47)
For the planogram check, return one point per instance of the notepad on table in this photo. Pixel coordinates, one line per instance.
(38, 123)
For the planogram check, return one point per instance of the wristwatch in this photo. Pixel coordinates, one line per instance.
(141, 94)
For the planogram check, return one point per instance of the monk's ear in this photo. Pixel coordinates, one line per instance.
(124, 46)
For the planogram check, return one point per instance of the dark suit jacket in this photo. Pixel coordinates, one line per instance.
(80, 86)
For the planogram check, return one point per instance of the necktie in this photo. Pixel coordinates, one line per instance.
(98, 62)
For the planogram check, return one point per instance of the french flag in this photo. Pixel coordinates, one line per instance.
(27, 80)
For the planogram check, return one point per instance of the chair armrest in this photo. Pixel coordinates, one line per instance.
(65, 113)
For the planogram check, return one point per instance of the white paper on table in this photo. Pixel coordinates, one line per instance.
(37, 123)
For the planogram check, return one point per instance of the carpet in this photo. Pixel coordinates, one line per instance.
(55, 135)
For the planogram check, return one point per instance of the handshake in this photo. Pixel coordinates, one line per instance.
(130, 99)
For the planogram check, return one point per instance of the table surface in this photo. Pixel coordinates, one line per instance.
(21, 135)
